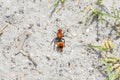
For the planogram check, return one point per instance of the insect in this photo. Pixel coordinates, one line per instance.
(59, 41)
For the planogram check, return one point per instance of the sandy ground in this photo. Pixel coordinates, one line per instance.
(25, 50)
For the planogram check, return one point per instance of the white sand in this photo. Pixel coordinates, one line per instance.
(31, 33)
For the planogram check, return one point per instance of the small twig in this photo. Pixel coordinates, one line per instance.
(39, 71)
(29, 57)
(57, 10)
(53, 10)
(22, 41)
(5, 26)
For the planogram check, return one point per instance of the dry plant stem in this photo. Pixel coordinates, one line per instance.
(20, 45)
(5, 26)
(57, 10)
(97, 29)
(29, 57)
(20, 40)
(40, 72)
(53, 11)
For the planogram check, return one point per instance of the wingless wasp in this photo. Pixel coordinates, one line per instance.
(59, 42)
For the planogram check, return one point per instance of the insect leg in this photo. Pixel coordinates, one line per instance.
(52, 41)
(63, 41)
